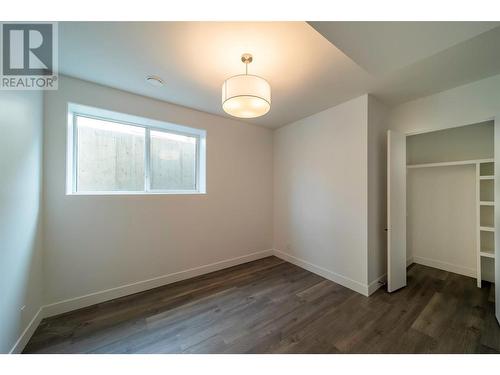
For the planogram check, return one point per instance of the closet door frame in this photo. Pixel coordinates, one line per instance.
(396, 211)
(497, 216)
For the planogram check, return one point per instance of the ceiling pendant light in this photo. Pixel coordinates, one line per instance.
(246, 95)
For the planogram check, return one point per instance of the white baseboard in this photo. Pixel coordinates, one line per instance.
(461, 270)
(377, 283)
(409, 261)
(125, 290)
(327, 274)
(140, 286)
(27, 333)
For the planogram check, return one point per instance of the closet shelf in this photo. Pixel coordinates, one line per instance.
(449, 163)
(487, 254)
(487, 229)
(486, 177)
(487, 203)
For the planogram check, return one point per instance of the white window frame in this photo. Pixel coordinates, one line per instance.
(78, 110)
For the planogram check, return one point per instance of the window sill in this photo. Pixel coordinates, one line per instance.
(134, 193)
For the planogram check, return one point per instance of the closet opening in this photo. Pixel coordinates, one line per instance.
(450, 200)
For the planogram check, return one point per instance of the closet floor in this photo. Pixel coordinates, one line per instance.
(271, 306)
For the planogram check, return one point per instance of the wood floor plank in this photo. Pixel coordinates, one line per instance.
(271, 306)
(434, 319)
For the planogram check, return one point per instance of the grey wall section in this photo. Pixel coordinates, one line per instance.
(20, 207)
(94, 243)
(454, 144)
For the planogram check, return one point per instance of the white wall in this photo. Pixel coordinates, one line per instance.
(20, 206)
(320, 193)
(441, 224)
(94, 243)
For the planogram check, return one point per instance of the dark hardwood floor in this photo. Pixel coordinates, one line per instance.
(271, 306)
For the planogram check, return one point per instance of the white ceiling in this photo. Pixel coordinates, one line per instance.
(308, 73)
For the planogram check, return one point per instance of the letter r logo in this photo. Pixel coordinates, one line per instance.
(27, 49)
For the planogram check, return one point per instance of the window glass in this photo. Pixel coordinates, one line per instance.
(110, 156)
(173, 161)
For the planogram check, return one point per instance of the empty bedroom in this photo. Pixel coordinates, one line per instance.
(321, 181)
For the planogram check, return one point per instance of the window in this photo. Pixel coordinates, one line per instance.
(115, 153)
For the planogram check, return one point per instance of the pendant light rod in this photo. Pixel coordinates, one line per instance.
(246, 59)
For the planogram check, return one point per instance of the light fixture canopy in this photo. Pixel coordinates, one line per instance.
(246, 95)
